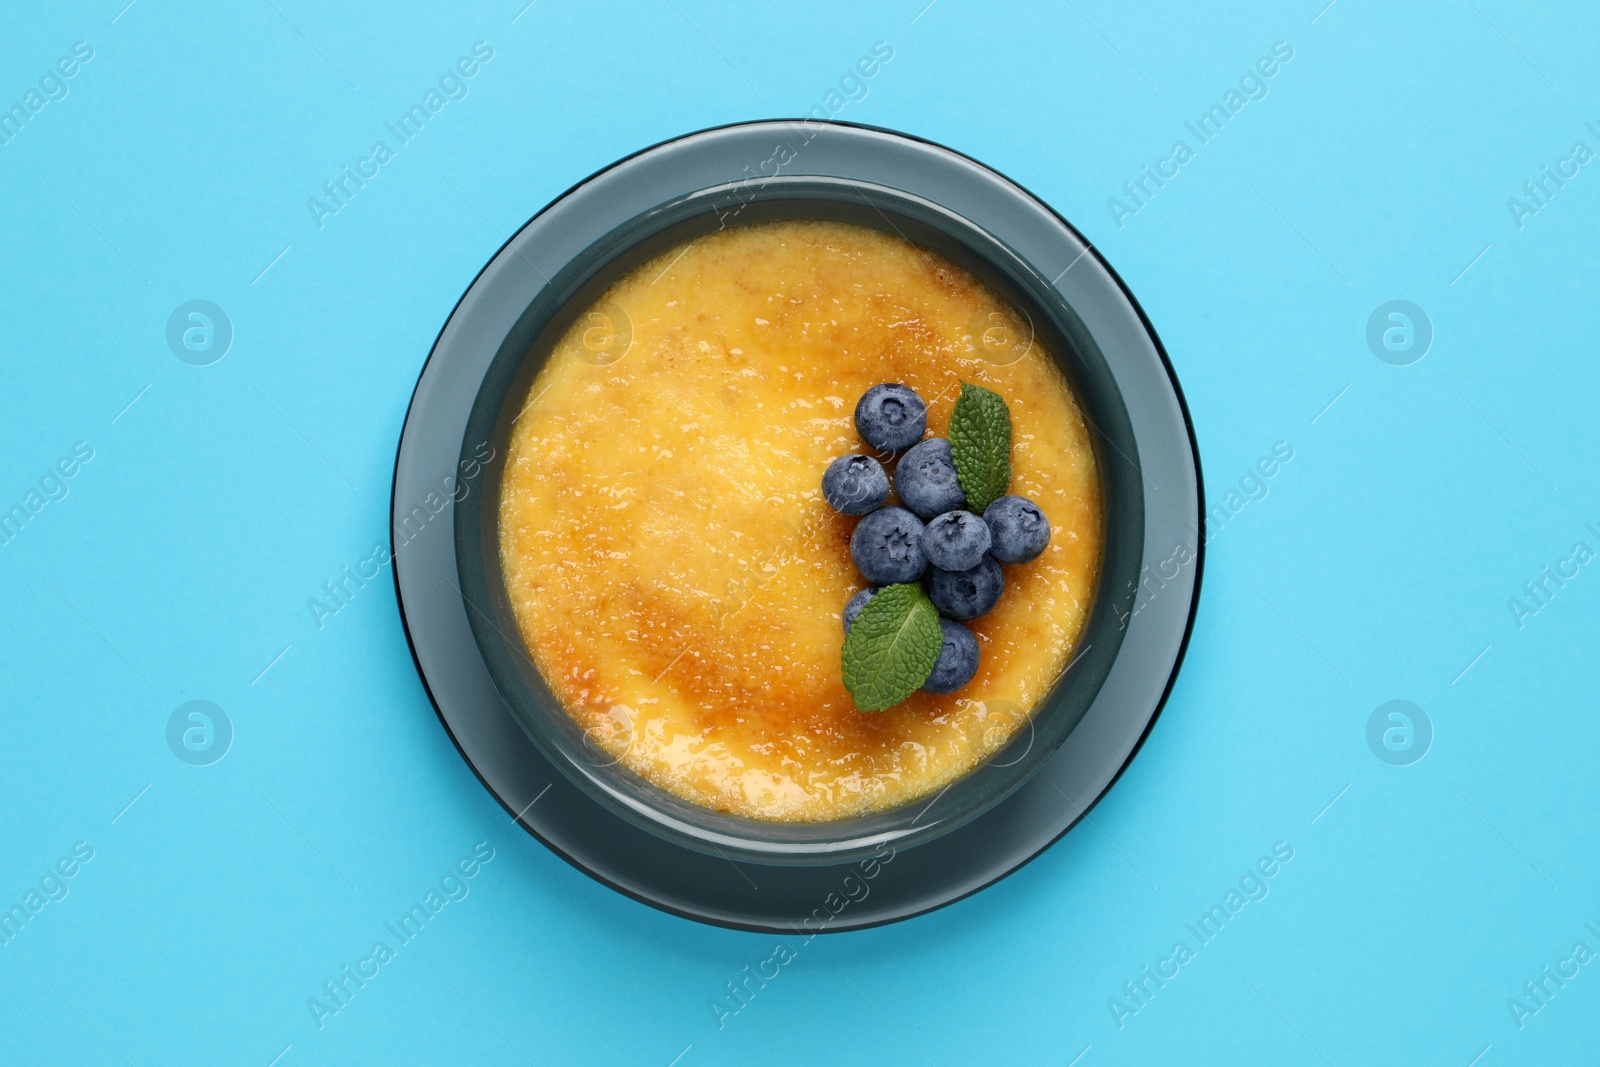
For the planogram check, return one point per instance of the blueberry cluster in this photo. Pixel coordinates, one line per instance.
(955, 553)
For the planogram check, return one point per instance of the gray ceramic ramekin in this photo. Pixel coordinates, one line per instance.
(610, 236)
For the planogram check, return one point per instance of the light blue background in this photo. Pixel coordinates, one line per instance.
(1378, 567)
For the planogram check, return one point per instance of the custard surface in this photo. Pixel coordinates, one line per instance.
(673, 569)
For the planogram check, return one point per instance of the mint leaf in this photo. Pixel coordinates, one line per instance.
(980, 445)
(892, 647)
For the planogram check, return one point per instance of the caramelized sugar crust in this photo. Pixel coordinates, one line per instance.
(673, 568)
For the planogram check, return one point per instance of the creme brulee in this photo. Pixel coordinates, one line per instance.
(671, 563)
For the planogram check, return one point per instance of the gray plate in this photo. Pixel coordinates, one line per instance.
(1032, 791)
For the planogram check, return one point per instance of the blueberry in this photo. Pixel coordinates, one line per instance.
(926, 479)
(958, 659)
(891, 417)
(887, 547)
(966, 594)
(855, 485)
(956, 541)
(1019, 529)
(855, 604)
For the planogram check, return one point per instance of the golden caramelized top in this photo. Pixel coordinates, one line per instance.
(673, 568)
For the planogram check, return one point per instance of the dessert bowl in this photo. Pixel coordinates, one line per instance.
(498, 707)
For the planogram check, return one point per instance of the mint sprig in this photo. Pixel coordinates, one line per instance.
(980, 445)
(892, 647)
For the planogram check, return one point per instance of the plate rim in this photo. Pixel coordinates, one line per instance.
(711, 914)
